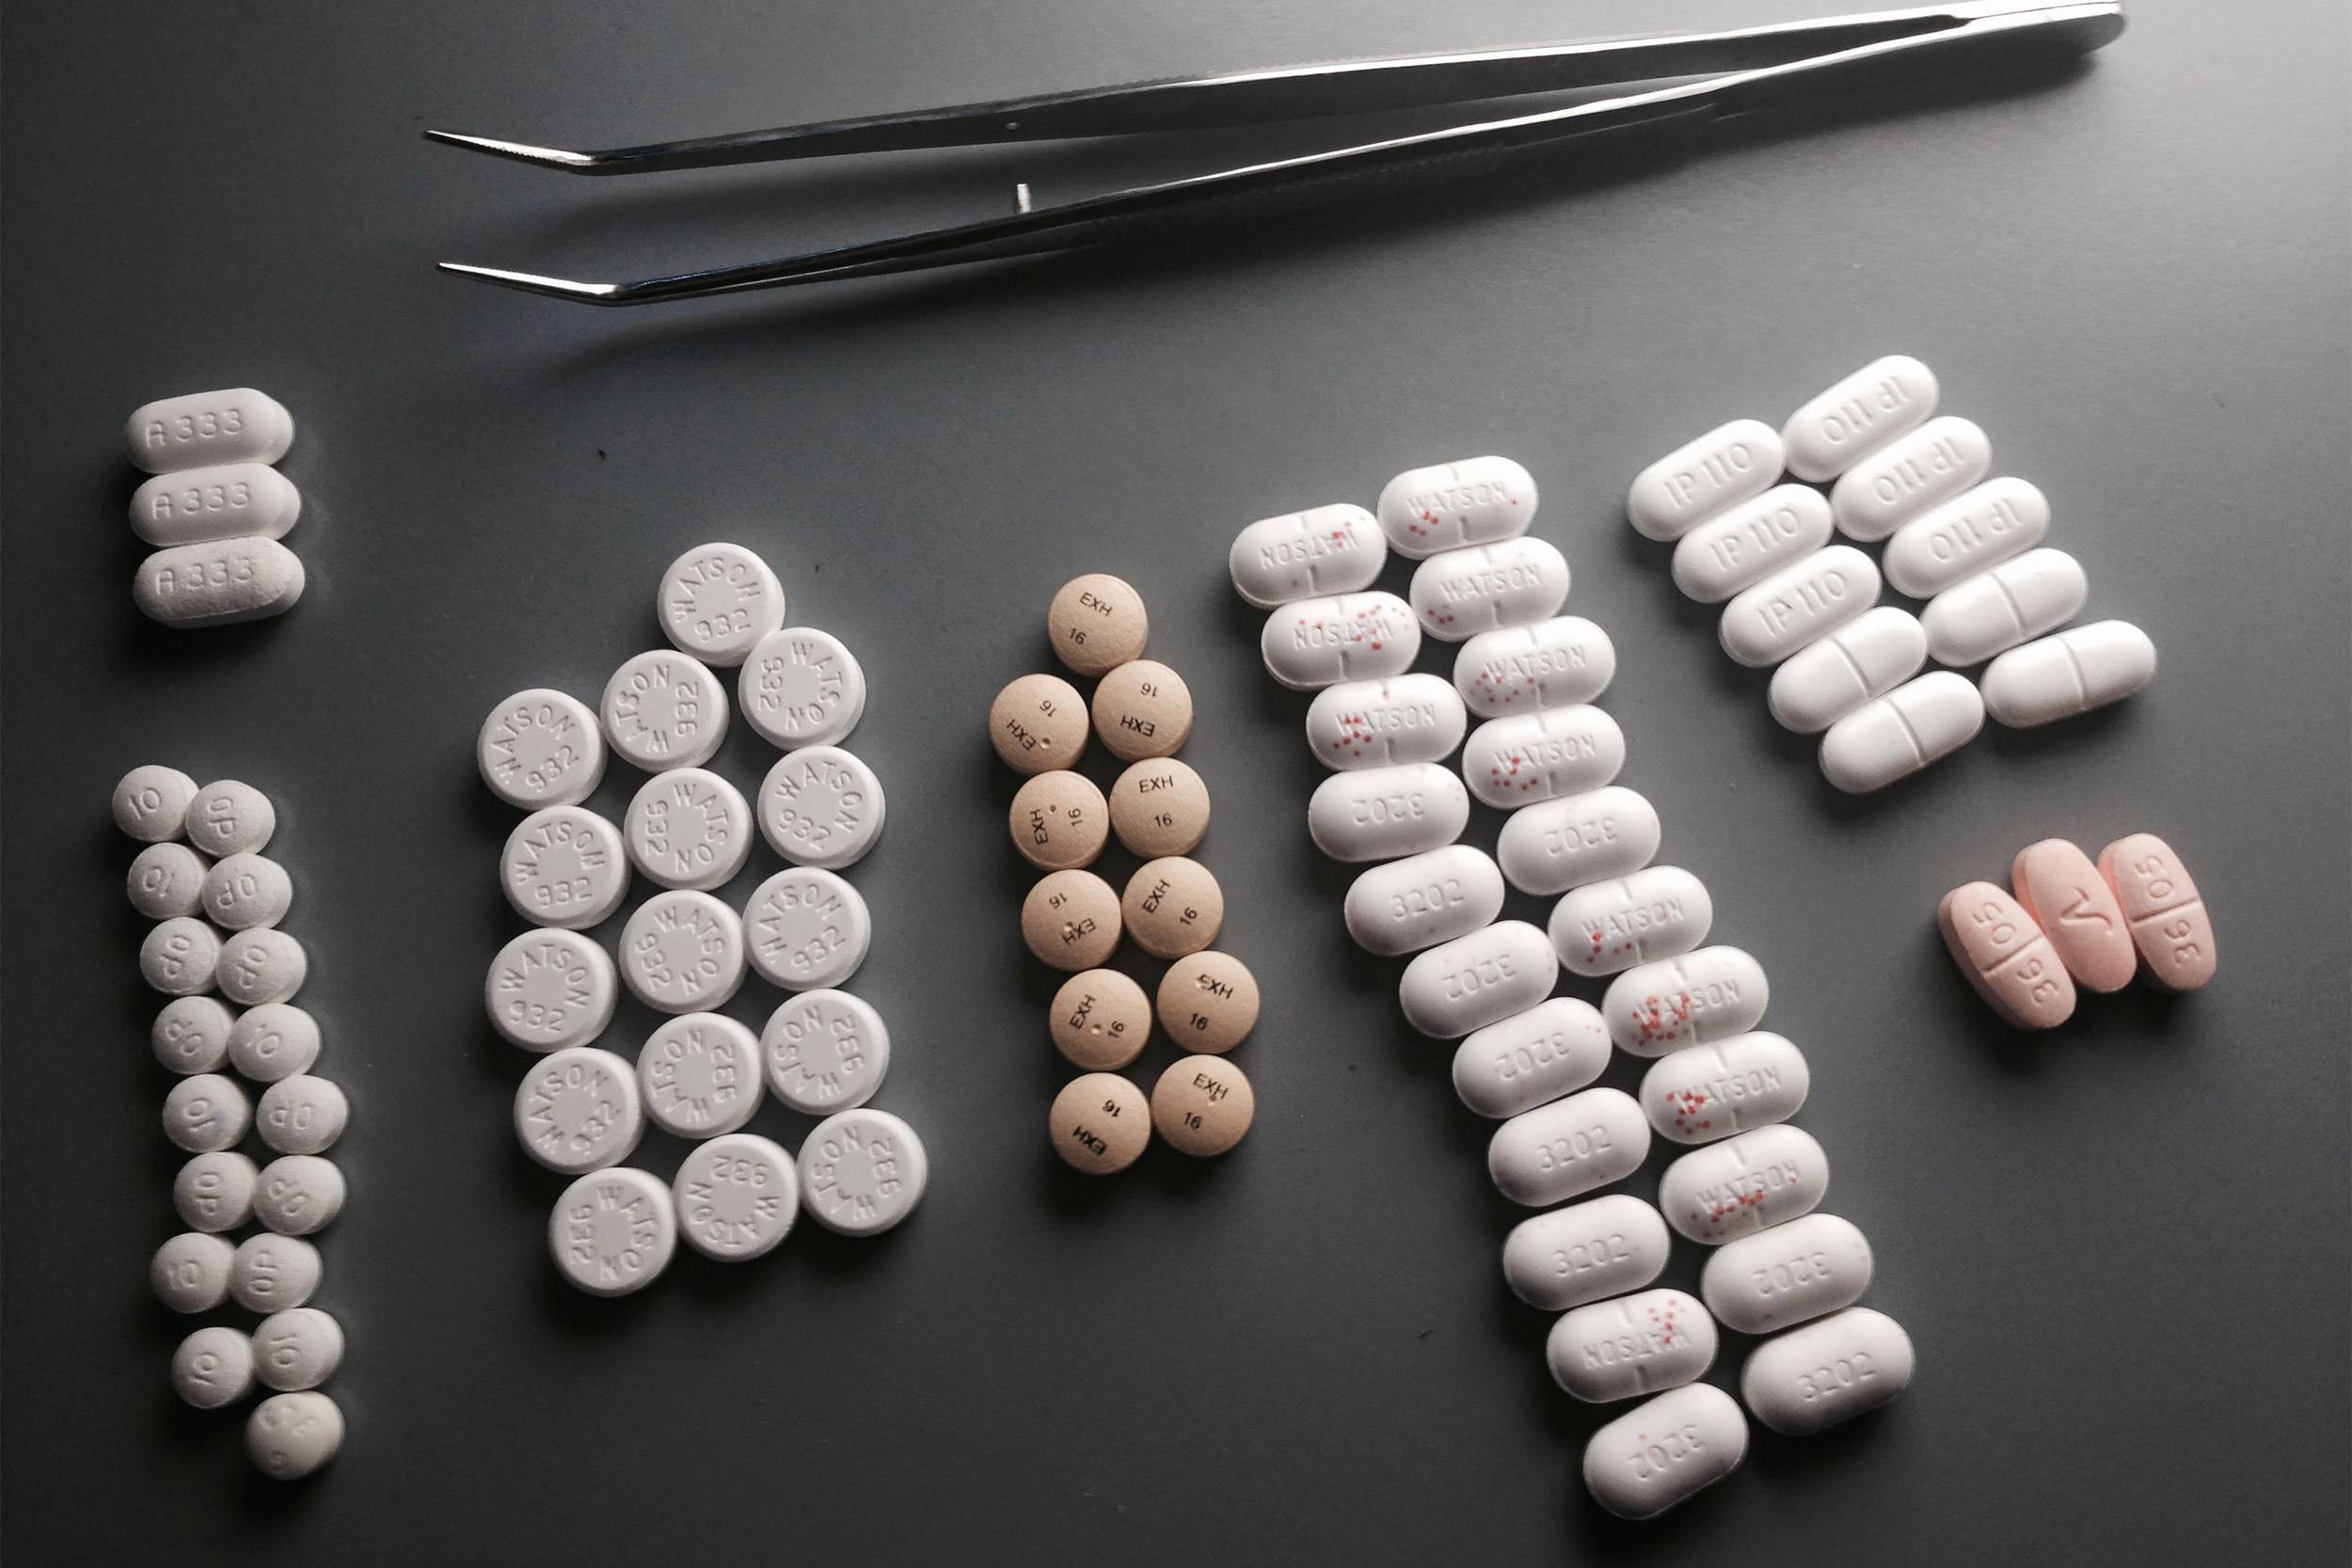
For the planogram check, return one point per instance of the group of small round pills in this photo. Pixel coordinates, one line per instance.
(216, 508)
(201, 872)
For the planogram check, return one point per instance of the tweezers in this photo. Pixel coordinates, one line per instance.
(1736, 72)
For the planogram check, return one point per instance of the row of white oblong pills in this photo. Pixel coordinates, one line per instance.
(1546, 754)
(1965, 543)
(683, 952)
(216, 508)
(202, 873)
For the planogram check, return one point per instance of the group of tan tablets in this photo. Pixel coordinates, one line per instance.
(1172, 906)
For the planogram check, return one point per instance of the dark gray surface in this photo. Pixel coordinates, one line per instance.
(2120, 1248)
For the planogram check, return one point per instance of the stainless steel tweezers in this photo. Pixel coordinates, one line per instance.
(1737, 71)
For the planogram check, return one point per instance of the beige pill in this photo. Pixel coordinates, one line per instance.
(1096, 623)
(1173, 907)
(1060, 820)
(1100, 1123)
(1070, 919)
(1100, 1020)
(1142, 709)
(1159, 807)
(1038, 723)
(1203, 1105)
(1208, 1001)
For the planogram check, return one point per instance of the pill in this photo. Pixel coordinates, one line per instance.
(1423, 900)
(548, 989)
(825, 1051)
(271, 1273)
(1306, 555)
(1889, 738)
(2061, 892)
(1142, 709)
(1096, 623)
(228, 500)
(579, 1110)
(1999, 518)
(699, 1075)
(821, 806)
(151, 803)
(1531, 1059)
(1883, 400)
(261, 966)
(166, 880)
(541, 748)
(213, 1367)
(1807, 599)
(235, 424)
(272, 1042)
(205, 1113)
(2078, 670)
(288, 1435)
(297, 1349)
(612, 1231)
(1100, 1020)
(190, 1272)
(1994, 610)
(1380, 812)
(247, 891)
(682, 951)
(299, 1194)
(1313, 643)
(806, 929)
(563, 866)
(1568, 1147)
(1098, 1123)
(1747, 543)
(1460, 593)
(664, 709)
(1635, 1345)
(1704, 1092)
(1550, 664)
(1172, 906)
(214, 1191)
(1908, 476)
(736, 1197)
(1038, 724)
(1159, 806)
(1765, 1282)
(191, 1034)
(1203, 1105)
(217, 583)
(1658, 913)
(1556, 845)
(861, 1171)
(688, 828)
(231, 817)
(1758, 1180)
(2005, 957)
(2168, 921)
(1208, 1001)
(1584, 1252)
(1538, 756)
(1380, 723)
(302, 1115)
(1448, 506)
(1666, 1451)
(717, 601)
(1867, 657)
(801, 687)
(1070, 919)
(1479, 979)
(1059, 821)
(1827, 1371)
(1702, 478)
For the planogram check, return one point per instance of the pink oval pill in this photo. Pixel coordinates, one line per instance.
(2168, 920)
(2006, 956)
(2062, 891)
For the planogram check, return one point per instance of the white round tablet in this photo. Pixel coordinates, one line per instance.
(861, 1171)
(180, 956)
(245, 891)
(168, 879)
(563, 866)
(801, 687)
(213, 1367)
(190, 1272)
(718, 601)
(541, 748)
(261, 966)
(806, 929)
(550, 989)
(682, 951)
(579, 1110)
(826, 1050)
(289, 1436)
(299, 1194)
(664, 709)
(820, 806)
(231, 817)
(302, 1115)
(191, 1034)
(736, 1196)
(298, 1348)
(273, 1041)
(214, 1191)
(699, 1075)
(206, 1113)
(689, 828)
(152, 803)
(612, 1231)
(271, 1273)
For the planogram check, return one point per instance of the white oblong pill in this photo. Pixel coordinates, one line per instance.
(231, 817)
(1999, 518)
(579, 1110)
(206, 1113)
(166, 880)
(228, 500)
(736, 1197)
(550, 989)
(688, 828)
(699, 1075)
(299, 1194)
(825, 1051)
(1556, 845)
(563, 866)
(288, 1435)
(1383, 812)
(1883, 400)
(1306, 555)
(806, 929)
(1666, 1451)
(180, 956)
(1552, 664)
(802, 686)
(717, 601)
(1568, 1147)
(1828, 1371)
(1702, 478)
(271, 1273)
(235, 424)
(1706, 995)
(664, 709)
(1460, 593)
(1867, 657)
(1538, 756)
(1761, 1283)
(1423, 900)
(265, 965)
(682, 951)
(1531, 1059)
(151, 803)
(273, 1041)
(213, 1367)
(190, 1272)
(1704, 1092)
(191, 1034)
(821, 806)
(1996, 609)
(1893, 737)
(541, 748)
(1656, 913)
(1758, 1179)
(1806, 599)
(1635, 1345)
(1909, 475)
(217, 583)
(861, 1172)
(1584, 1252)
(214, 1191)
(1750, 542)
(246, 892)
(1449, 505)
(1479, 979)
(302, 1115)
(1381, 724)
(2073, 672)
(1312, 643)
(612, 1231)
(297, 1349)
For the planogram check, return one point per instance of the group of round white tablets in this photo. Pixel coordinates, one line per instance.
(684, 952)
(1968, 545)
(202, 873)
(216, 508)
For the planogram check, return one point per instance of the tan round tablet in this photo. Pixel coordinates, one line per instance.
(1142, 709)
(1060, 820)
(1208, 1001)
(1098, 1123)
(1203, 1105)
(1159, 807)
(1038, 723)
(1096, 623)
(1101, 1020)
(1070, 919)
(1173, 907)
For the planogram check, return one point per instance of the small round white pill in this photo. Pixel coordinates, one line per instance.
(275, 1040)
(699, 1075)
(736, 1197)
(214, 1191)
(612, 1231)
(246, 892)
(820, 806)
(682, 951)
(550, 989)
(688, 828)
(801, 687)
(289, 1436)
(229, 818)
(541, 748)
(861, 1172)
(271, 1273)
(180, 956)
(299, 1194)
(806, 929)
(206, 1113)
(302, 1115)
(152, 803)
(190, 1272)
(580, 1110)
(166, 880)
(191, 1034)
(300, 1348)
(563, 866)
(261, 966)
(826, 1050)
(717, 601)
(664, 709)
(213, 1367)
(234, 424)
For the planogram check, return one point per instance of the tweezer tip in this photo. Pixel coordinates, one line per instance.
(551, 157)
(554, 288)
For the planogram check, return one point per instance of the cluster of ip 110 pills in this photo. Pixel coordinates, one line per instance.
(202, 873)
(216, 508)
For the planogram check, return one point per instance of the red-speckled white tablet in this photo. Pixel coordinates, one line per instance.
(2169, 922)
(1750, 1183)
(1550, 664)
(2061, 892)
(2003, 954)
(1635, 1345)
(1449, 505)
(1460, 593)
(1535, 756)
(1316, 642)
(1384, 723)
(1708, 995)
(1304, 555)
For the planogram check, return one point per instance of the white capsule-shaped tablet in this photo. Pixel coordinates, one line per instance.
(273, 1041)
(1556, 845)
(682, 951)
(717, 601)
(1805, 600)
(1449, 506)
(214, 1191)
(1758, 1179)
(1539, 757)
(1382, 813)
(1761, 1283)
(190, 1272)
(180, 956)
(1711, 994)
(302, 1115)
(151, 803)
(802, 686)
(228, 500)
(270, 1273)
(1315, 642)
(1666, 1451)
(1828, 1371)
(1750, 542)
(1867, 657)
(1634, 1345)
(612, 1231)
(688, 828)
(2073, 672)
(1460, 593)
(1531, 1059)
(213, 1367)
(736, 1197)
(288, 1435)
(1584, 1252)
(256, 966)
(191, 1034)
(217, 583)
(246, 892)
(1557, 1151)
(1378, 724)
(1909, 475)
(1704, 1092)
(699, 1075)
(541, 748)
(1883, 400)
(1306, 555)
(1653, 913)
(1999, 518)
(1479, 979)
(1893, 737)
(664, 709)
(563, 866)
(821, 806)
(1423, 900)
(2014, 602)
(806, 929)
(825, 1051)
(861, 1172)
(299, 1194)
(1552, 664)
(298, 1348)
(550, 989)
(205, 1113)
(235, 424)
(579, 1110)
(1702, 478)
(166, 880)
